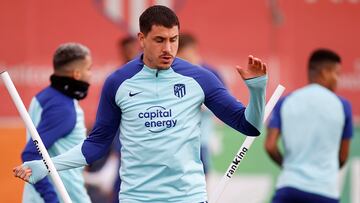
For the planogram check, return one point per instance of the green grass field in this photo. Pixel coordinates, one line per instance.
(258, 162)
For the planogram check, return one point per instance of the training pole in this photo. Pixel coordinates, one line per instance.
(35, 136)
(245, 147)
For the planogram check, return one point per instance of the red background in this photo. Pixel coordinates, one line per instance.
(228, 31)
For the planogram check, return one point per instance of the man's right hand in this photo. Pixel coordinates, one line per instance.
(22, 172)
(31, 171)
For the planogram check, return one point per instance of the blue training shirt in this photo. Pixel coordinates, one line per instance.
(59, 121)
(159, 116)
(312, 122)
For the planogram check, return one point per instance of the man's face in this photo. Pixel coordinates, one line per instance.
(130, 51)
(190, 53)
(331, 75)
(160, 46)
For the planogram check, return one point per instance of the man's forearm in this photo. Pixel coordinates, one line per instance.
(71, 159)
(277, 157)
(74, 158)
(254, 112)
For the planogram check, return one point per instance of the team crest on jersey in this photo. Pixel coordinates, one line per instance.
(179, 90)
(125, 13)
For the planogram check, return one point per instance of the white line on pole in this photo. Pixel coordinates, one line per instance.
(245, 147)
(355, 180)
(35, 136)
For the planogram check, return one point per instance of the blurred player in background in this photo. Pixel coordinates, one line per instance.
(188, 50)
(60, 121)
(128, 48)
(316, 127)
(156, 100)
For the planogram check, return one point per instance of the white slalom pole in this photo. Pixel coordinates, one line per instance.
(245, 147)
(35, 137)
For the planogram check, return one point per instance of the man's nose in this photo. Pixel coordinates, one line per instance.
(167, 47)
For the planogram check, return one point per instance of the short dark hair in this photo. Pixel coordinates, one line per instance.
(69, 52)
(318, 58)
(157, 15)
(186, 39)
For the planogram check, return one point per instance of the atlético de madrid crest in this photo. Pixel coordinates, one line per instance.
(179, 90)
(126, 13)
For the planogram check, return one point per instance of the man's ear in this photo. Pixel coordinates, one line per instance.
(141, 38)
(76, 74)
(325, 73)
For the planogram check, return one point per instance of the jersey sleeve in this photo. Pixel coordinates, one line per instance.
(348, 127)
(57, 121)
(106, 125)
(213, 70)
(46, 190)
(230, 110)
(275, 117)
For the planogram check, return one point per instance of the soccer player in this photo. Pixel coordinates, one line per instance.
(315, 126)
(128, 48)
(156, 100)
(60, 121)
(188, 50)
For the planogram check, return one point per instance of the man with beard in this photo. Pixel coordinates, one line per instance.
(156, 100)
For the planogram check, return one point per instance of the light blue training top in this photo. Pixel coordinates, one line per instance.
(60, 122)
(312, 121)
(159, 116)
